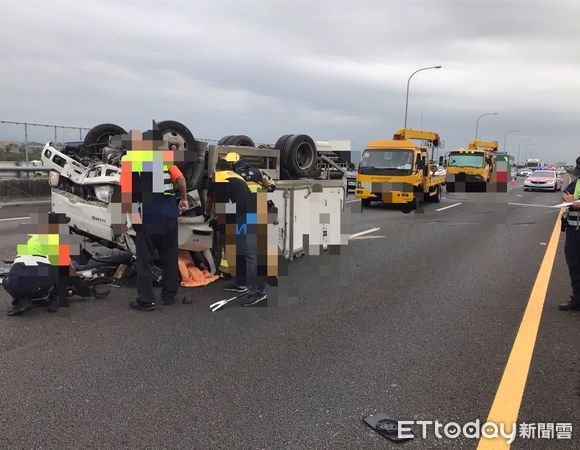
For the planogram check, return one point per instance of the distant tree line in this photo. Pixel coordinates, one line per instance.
(14, 151)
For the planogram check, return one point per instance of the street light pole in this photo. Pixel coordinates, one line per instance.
(505, 139)
(477, 121)
(408, 82)
(529, 144)
(520, 147)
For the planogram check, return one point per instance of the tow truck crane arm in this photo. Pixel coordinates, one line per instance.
(404, 134)
(483, 145)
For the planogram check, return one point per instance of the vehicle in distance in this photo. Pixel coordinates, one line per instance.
(525, 172)
(351, 178)
(399, 171)
(534, 163)
(545, 180)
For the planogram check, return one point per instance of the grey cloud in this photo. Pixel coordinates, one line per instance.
(332, 69)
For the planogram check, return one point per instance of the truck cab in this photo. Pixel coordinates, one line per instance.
(398, 171)
(469, 169)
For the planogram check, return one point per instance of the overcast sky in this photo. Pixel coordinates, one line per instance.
(334, 70)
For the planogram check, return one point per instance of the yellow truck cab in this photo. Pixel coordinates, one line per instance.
(469, 169)
(399, 171)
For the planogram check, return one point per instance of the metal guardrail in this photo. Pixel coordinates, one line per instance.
(22, 171)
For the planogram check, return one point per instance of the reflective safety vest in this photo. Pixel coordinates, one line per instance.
(253, 186)
(139, 158)
(223, 175)
(573, 215)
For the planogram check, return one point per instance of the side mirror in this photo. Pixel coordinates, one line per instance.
(441, 160)
(420, 163)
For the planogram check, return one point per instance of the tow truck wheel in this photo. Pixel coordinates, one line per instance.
(437, 197)
(366, 202)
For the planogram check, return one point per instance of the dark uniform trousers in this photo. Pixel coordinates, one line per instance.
(572, 252)
(160, 237)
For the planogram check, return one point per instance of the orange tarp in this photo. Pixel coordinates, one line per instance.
(191, 276)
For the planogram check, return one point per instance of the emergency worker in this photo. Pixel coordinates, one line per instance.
(148, 178)
(571, 222)
(42, 267)
(229, 194)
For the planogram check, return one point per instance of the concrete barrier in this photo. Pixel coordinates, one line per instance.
(24, 188)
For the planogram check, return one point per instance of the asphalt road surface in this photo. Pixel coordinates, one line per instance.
(416, 319)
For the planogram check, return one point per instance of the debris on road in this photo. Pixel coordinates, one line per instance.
(387, 427)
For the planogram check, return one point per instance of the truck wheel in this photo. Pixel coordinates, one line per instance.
(299, 156)
(240, 140)
(366, 202)
(279, 145)
(437, 197)
(101, 134)
(224, 140)
(180, 138)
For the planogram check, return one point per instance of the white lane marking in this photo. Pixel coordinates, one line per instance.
(14, 218)
(366, 237)
(352, 201)
(450, 206)
(529, 204)
(361, 233)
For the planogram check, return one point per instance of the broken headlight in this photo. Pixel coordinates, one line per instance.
(104, 193)
(53, 178)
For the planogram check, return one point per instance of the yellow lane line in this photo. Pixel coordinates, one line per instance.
(508, 398)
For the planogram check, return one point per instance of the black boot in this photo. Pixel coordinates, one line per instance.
(570, 306)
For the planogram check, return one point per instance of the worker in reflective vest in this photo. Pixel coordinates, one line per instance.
(148, 175)
(572, 245)
(43, 267)
(235, 208)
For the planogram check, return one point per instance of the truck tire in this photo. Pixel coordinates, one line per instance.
(179, 135)
(101, 134)
(224, 140)
(437, 197)
(366, 202)
(299, 156)
(279, 145)
(241, 140)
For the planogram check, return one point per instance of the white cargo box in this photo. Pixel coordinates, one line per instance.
(309, 214)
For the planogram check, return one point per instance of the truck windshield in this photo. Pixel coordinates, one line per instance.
(465, 160)
(386, 162)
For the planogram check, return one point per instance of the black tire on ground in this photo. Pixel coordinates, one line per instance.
(101, 134)
(299, 156)
(241, 140)
(437, 197)
(179, 135)
(366, 202)
(224, 140)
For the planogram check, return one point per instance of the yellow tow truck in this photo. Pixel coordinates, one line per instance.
(470, 169)
(399, 171)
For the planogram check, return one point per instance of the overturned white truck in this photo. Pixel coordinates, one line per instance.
(84, 175)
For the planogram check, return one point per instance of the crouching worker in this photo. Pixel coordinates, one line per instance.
(236, 216)
(42, 269)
